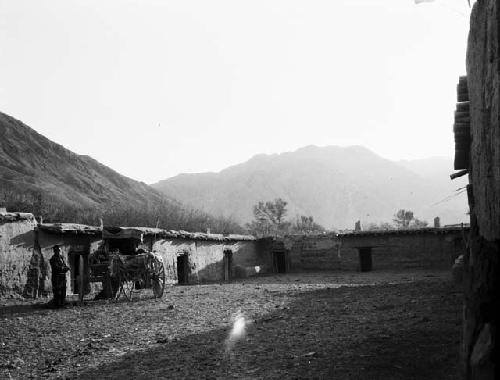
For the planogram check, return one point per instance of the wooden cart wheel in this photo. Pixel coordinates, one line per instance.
(157, 273)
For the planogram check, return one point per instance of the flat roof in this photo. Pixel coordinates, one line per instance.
(117, 232)
(406, 231)
(135, 232)
(70, 228)
(16, 216)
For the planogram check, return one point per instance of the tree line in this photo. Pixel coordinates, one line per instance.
(164, 214)
(270, 220)
(403, 219)
(269, 217)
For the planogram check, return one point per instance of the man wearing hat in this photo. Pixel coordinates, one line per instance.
(59, 269)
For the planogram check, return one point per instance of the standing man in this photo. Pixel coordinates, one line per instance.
(59, 269)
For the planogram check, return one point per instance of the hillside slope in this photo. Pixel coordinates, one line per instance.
(337, 185)
(30, 160)
(40, 176)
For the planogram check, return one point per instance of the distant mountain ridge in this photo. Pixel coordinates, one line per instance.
(336, 185)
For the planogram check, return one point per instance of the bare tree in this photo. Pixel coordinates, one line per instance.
(269, 218)
(405, 219)
(306, 224)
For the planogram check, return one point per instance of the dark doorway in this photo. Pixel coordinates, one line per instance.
(365, 259)
(75, 258)
(228, 264)
(279, 261)
(182, 269)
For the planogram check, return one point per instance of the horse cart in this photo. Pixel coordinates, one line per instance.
(125, 266)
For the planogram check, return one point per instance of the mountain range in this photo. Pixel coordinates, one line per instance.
(336, 185)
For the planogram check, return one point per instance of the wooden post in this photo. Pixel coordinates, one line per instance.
(81, 280)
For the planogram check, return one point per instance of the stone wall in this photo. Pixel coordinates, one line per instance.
(16, 251)
(481, 355)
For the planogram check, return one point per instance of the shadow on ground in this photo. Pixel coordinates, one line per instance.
(398, 331)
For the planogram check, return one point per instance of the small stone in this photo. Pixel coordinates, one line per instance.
(163, 339)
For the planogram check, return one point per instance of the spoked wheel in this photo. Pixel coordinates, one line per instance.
(157, 275)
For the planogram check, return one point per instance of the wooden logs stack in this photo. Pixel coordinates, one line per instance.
(461, 128)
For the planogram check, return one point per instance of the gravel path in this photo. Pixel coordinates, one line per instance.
(391, 325)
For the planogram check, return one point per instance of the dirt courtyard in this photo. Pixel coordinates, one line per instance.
(377, 325)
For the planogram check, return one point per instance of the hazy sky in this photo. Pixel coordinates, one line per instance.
(155, 88)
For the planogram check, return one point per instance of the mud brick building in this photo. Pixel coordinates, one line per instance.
(192, 258)
(189, 258)
(430, 248)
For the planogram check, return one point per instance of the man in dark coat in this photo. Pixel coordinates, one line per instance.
(59, 269)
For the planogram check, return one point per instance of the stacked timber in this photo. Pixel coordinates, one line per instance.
(461, 128)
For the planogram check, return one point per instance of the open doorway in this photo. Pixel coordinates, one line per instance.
(76, 259)
(365, 259)
(279, 259)
(182, 268)
(228, 264)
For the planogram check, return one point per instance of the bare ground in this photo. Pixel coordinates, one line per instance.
(391, 325)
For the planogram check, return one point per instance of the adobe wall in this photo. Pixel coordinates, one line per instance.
(251, 258)
(169, 250)
(433, 251)
(481, 338)
(206, 259)
(313, 252)
(16, 250)
(328, 252)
